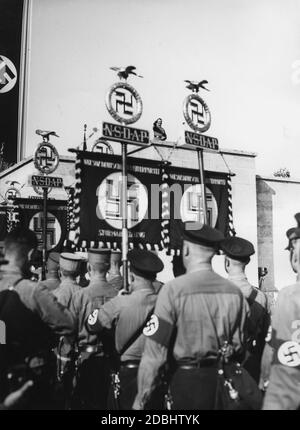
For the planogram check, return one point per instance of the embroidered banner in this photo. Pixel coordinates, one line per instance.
(31, 216)
(183, 203)
(98, 201)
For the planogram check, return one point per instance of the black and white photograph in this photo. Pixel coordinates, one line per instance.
(149, 208)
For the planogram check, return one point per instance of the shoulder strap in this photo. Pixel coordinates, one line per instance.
(12, 287)
(137, 333)
(252, 297)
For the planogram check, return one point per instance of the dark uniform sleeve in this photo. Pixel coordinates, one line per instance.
(158, 331)
(56, 316)
(283, 392)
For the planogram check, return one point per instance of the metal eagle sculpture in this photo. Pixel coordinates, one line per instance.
(195, 86)
(45, 134)
(124, 72)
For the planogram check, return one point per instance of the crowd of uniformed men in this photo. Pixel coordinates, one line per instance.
(78, 340)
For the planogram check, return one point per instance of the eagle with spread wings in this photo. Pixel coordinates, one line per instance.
(124, 72)
(195, 86)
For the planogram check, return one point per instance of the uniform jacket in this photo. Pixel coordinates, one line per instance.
(258, 325)
(65, 291)
(128, 313)
(283, 391)
(41, 301)
(205, 310)
(51, 284)
(100, 292)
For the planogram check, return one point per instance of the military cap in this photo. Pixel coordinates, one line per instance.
(145, 263)
(69, 261)
(297, 218)
(207, 236)
(99, 255)
(116, 256)
(237, 248)
(292, 233)
(82, 255)
(288, 235)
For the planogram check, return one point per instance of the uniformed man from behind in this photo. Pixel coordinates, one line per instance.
(237, 255)
(30, 309)
(99, 290)
(114, 276)
(69, 269)
(94, 356)
(129, 313)
(195, 315)
(18, 246)
(52, 280)
(283, 391)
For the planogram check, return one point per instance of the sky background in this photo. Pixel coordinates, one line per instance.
(248, 50)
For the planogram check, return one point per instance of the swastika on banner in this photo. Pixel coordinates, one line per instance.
(110, 200)
(53, 229)
(191, 206)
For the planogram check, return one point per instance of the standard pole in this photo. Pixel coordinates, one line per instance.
(202, 181)
(45, 192)
(24, 77)
(124, 217)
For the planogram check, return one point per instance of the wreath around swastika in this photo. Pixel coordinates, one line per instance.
(109, 103)
(186, 105)
(39, 157)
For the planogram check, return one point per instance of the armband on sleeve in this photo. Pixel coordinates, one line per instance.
(92, 323)
(158, 330)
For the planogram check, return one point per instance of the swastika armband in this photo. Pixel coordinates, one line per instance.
(288, 354)
(93, 324)
(158, 330)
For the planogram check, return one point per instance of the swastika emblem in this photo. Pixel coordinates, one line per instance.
(8, 74)
(110, 200)
(124, 103)
(46, 158)
(196, 113)
(93, 317)
(191, 206)
(102, 146)
(152, 326)
(12, 193)
(53, 229)
(289, 354)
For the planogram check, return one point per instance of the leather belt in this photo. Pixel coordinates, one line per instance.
(209, 362)
(130, 364)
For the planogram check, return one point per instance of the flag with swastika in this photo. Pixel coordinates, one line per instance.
(31, 216)
(11, 17)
